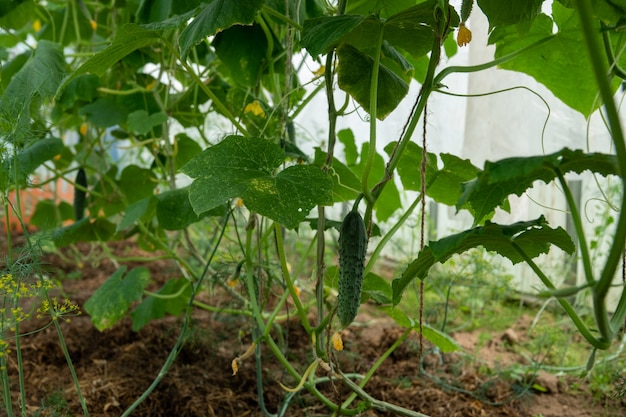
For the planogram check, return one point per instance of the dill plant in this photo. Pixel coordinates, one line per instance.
(23, 298)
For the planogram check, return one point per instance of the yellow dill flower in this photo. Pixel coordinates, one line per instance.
(94, 24)
(464, 36)
(83, 129)
(37, 25)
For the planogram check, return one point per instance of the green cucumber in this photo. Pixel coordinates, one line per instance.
(80, 196)
(352, 249)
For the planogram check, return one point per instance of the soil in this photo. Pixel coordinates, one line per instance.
(117, 365)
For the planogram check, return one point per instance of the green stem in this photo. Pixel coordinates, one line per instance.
(608, 49)
(183, 332)
(281, 17)
(305, 101)
(250, 284)
(387, 237)
(427, 88)
(614, 256)
(70, 365)
(578, 225)
(582, 328)
(378, 404)
(79, 39)
(475, 68)
(377, 365)
(373, 112)
(20, 365)
(208, 307)
(288, 281)
(6, 386)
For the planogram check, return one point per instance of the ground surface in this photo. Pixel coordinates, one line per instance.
(116, 366)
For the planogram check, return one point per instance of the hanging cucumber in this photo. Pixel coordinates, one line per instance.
(352, 249)
(80, 196)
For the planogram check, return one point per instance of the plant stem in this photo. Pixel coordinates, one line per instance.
(183, 332)
(420, 103)
(373, 112)
(70, 365)
(289, 282)
(598, 343)
(281, 17)
(377, 365)
(578, 225)
(378, 404)
(387, 237)
(594, 48)
(250, 279)
(480, 67)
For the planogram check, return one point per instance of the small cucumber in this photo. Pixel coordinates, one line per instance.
(80, 196)
(352, 249)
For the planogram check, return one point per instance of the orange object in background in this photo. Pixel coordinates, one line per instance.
(58, 191)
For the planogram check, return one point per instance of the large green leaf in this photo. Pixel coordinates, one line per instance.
(15, 14)
(346, 137)
(141, 123)
(532, 237)
(354, 74)
(115, 194)
(609, 11)
(376, 288)
(447, 184)
(412, 29)
(561, 64)
(502, 13)
(84, 230)
(214, 17)
(141, 210)
(244, 167)
(80, 90)
(321, 34)
(409, 29)
(128, 38)
(410, 163)
(111, 301)
(385, 8)
(31, 157)
(49, 214)
(443, 185)
(39, 77)
(243, 50)
(500, 179)
(174, 210)
(103, 112)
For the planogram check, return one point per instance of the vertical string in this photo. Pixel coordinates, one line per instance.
(422, 232)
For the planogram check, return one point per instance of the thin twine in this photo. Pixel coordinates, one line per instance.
(422, 233)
